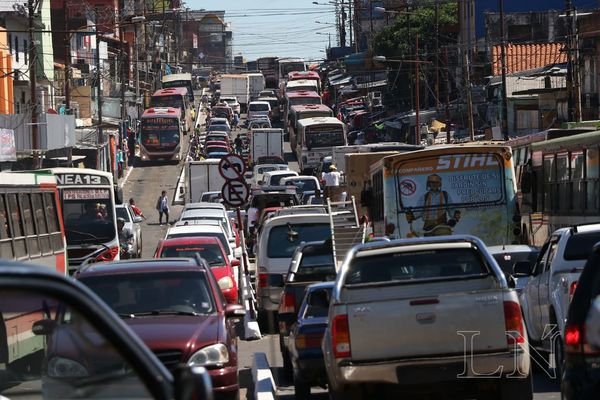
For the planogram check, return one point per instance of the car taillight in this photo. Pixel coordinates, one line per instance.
(308, 340)
(288, 303)
(514, 323)
(263, 280)
(573, 337)
(572, 290)
(340, 336)
(108, 255)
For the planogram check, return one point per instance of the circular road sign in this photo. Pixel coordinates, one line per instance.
(235, 192)
(232, 166)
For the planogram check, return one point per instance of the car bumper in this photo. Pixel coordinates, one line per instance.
(432, 370)
(224, 380)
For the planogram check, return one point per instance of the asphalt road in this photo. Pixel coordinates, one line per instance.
(144, 184)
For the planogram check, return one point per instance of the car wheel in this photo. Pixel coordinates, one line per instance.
(301, 388)
(558, 357)
(288, 370)
(517, 388)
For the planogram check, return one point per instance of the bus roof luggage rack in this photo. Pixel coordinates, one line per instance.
(346, 231)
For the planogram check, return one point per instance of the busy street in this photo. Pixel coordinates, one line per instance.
(213, 204)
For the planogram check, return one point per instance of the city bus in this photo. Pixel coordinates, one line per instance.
(268, 67)
(446, 190)
(87, 200)
(31, 226)
(316, 136)
(160, 134)
(176, 98)
(287, 65)
(304, 111)
(180, 80)
(561, 187)
(306, 75)
(295, 99)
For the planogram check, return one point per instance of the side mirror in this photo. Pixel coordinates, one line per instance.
(522, 268)
(234, 311)
(137, 219)
(235, 263)
(260, 182)
(192, 383)
(43, 327)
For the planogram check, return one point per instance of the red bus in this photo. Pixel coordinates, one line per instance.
(298, 98)
(308, 75)
(160, 136)
(176, 97)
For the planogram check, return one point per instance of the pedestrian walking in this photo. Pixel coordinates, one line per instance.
(236, 120)
(332, 182)
(162, 206)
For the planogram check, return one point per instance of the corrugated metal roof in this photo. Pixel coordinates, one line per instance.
(522, 57)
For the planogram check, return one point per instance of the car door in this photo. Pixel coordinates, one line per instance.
(530, 292)
(544, 283)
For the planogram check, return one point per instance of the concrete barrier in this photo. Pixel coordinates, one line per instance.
(264, 384)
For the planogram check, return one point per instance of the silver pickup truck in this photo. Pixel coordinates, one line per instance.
(429, 314)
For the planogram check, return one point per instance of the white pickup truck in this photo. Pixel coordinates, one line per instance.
(546, 297)
(431, 315)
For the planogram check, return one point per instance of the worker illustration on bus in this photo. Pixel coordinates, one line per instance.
(434, 209)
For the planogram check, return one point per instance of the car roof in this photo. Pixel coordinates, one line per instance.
(196, 228)
(281, 172)
(259, 102)
(190, 240)
(300, 177)
(202, 212)
(204, 204)
(297, 218)
(140, 266)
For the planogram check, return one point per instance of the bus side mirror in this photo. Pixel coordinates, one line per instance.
(119, 195)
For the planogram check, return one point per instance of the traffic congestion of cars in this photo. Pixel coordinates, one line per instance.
(425, 281)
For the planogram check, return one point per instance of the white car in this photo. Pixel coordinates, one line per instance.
(259, 170)
(305, 184)
(203, 204)
(232, 102)
(259, 109)
(273, 178)
(132, 222)
(211, 197)
(214, 214)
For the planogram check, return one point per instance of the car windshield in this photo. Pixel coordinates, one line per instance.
(154, 293)
(316, 268)
(274, 200)
(88, 215)
(415, 265)
(284, 239)
(219, 236)
(579, 246)
(275, 179)
(210, 252)
(259, 107)
(303, 184)
(122, 213)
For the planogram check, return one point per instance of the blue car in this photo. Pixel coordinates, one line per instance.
(304, 344)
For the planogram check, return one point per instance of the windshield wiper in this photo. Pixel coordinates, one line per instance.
(82, 233)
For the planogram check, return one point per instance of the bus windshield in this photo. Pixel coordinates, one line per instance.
(297, 101)
(324, 136)
(160, 132)
(292, 66)
(88, 215)
(167, 101)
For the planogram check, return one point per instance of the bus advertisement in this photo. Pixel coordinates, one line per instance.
(449, 190)
(316, 137)
(88, 206)
(160, 134)
(179, 80)
(176, 98)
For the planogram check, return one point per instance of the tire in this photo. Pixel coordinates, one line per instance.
(517, 388)
(288, 369)
(301, 388)
(559, 358)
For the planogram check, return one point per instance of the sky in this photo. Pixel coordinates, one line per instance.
(281, 28)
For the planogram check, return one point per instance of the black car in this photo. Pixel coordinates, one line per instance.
(581, 370)
(59, 340)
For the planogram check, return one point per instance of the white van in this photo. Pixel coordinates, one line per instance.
(259, 109)
(278, 239)
(273, 178)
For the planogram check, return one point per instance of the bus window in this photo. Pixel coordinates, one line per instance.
(6, 250)
(52, 219)
(17, 226)
(40, 221)
(33, 246)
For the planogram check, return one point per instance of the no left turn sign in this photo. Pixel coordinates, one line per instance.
(232, 166)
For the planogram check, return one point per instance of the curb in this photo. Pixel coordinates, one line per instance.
(264, 384)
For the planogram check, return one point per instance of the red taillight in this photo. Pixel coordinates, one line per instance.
(340, 336)
(573, 335)
(263, 280)
(288, 303)
(572, 290)
(309, 340)
(108, 255)
(514, 323)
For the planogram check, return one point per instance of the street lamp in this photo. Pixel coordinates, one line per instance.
(328, 35)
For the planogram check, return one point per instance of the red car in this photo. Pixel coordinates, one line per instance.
(175, 307)
(211, 249)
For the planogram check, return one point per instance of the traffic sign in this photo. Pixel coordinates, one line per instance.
(235, 192)
(232, 166)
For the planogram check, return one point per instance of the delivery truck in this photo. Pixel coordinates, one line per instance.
(236, 85)
(265, 142)
(256, 84)
(202, 176)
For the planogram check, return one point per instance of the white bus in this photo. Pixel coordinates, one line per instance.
(316, 136)
(179, 80)
(88, 205)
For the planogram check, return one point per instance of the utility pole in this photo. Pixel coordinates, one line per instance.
(576, 70)
(467, 80)
(67, 59)
(568, 45)
(98, 82)
(437, 56)
(417, 119)
(504, 123)
(343, 26)
(448, 140)
(123, 77)
(137, 72)
(31, 7)
(350, 21)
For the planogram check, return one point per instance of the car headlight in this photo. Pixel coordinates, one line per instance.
(225, 283)
(59, 367)
(215, 354)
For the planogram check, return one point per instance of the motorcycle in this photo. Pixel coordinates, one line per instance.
(126, 248)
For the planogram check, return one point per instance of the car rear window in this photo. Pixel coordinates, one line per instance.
(274, 200)
(219, 236)
(259, 107)
(122, 213)
(276, 178)
(303, 184)
(417, 265)
(210, 252)
(579, 246)
(316, 268)
(284, 239)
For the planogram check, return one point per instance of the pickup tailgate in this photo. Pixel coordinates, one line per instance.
(425, 320)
